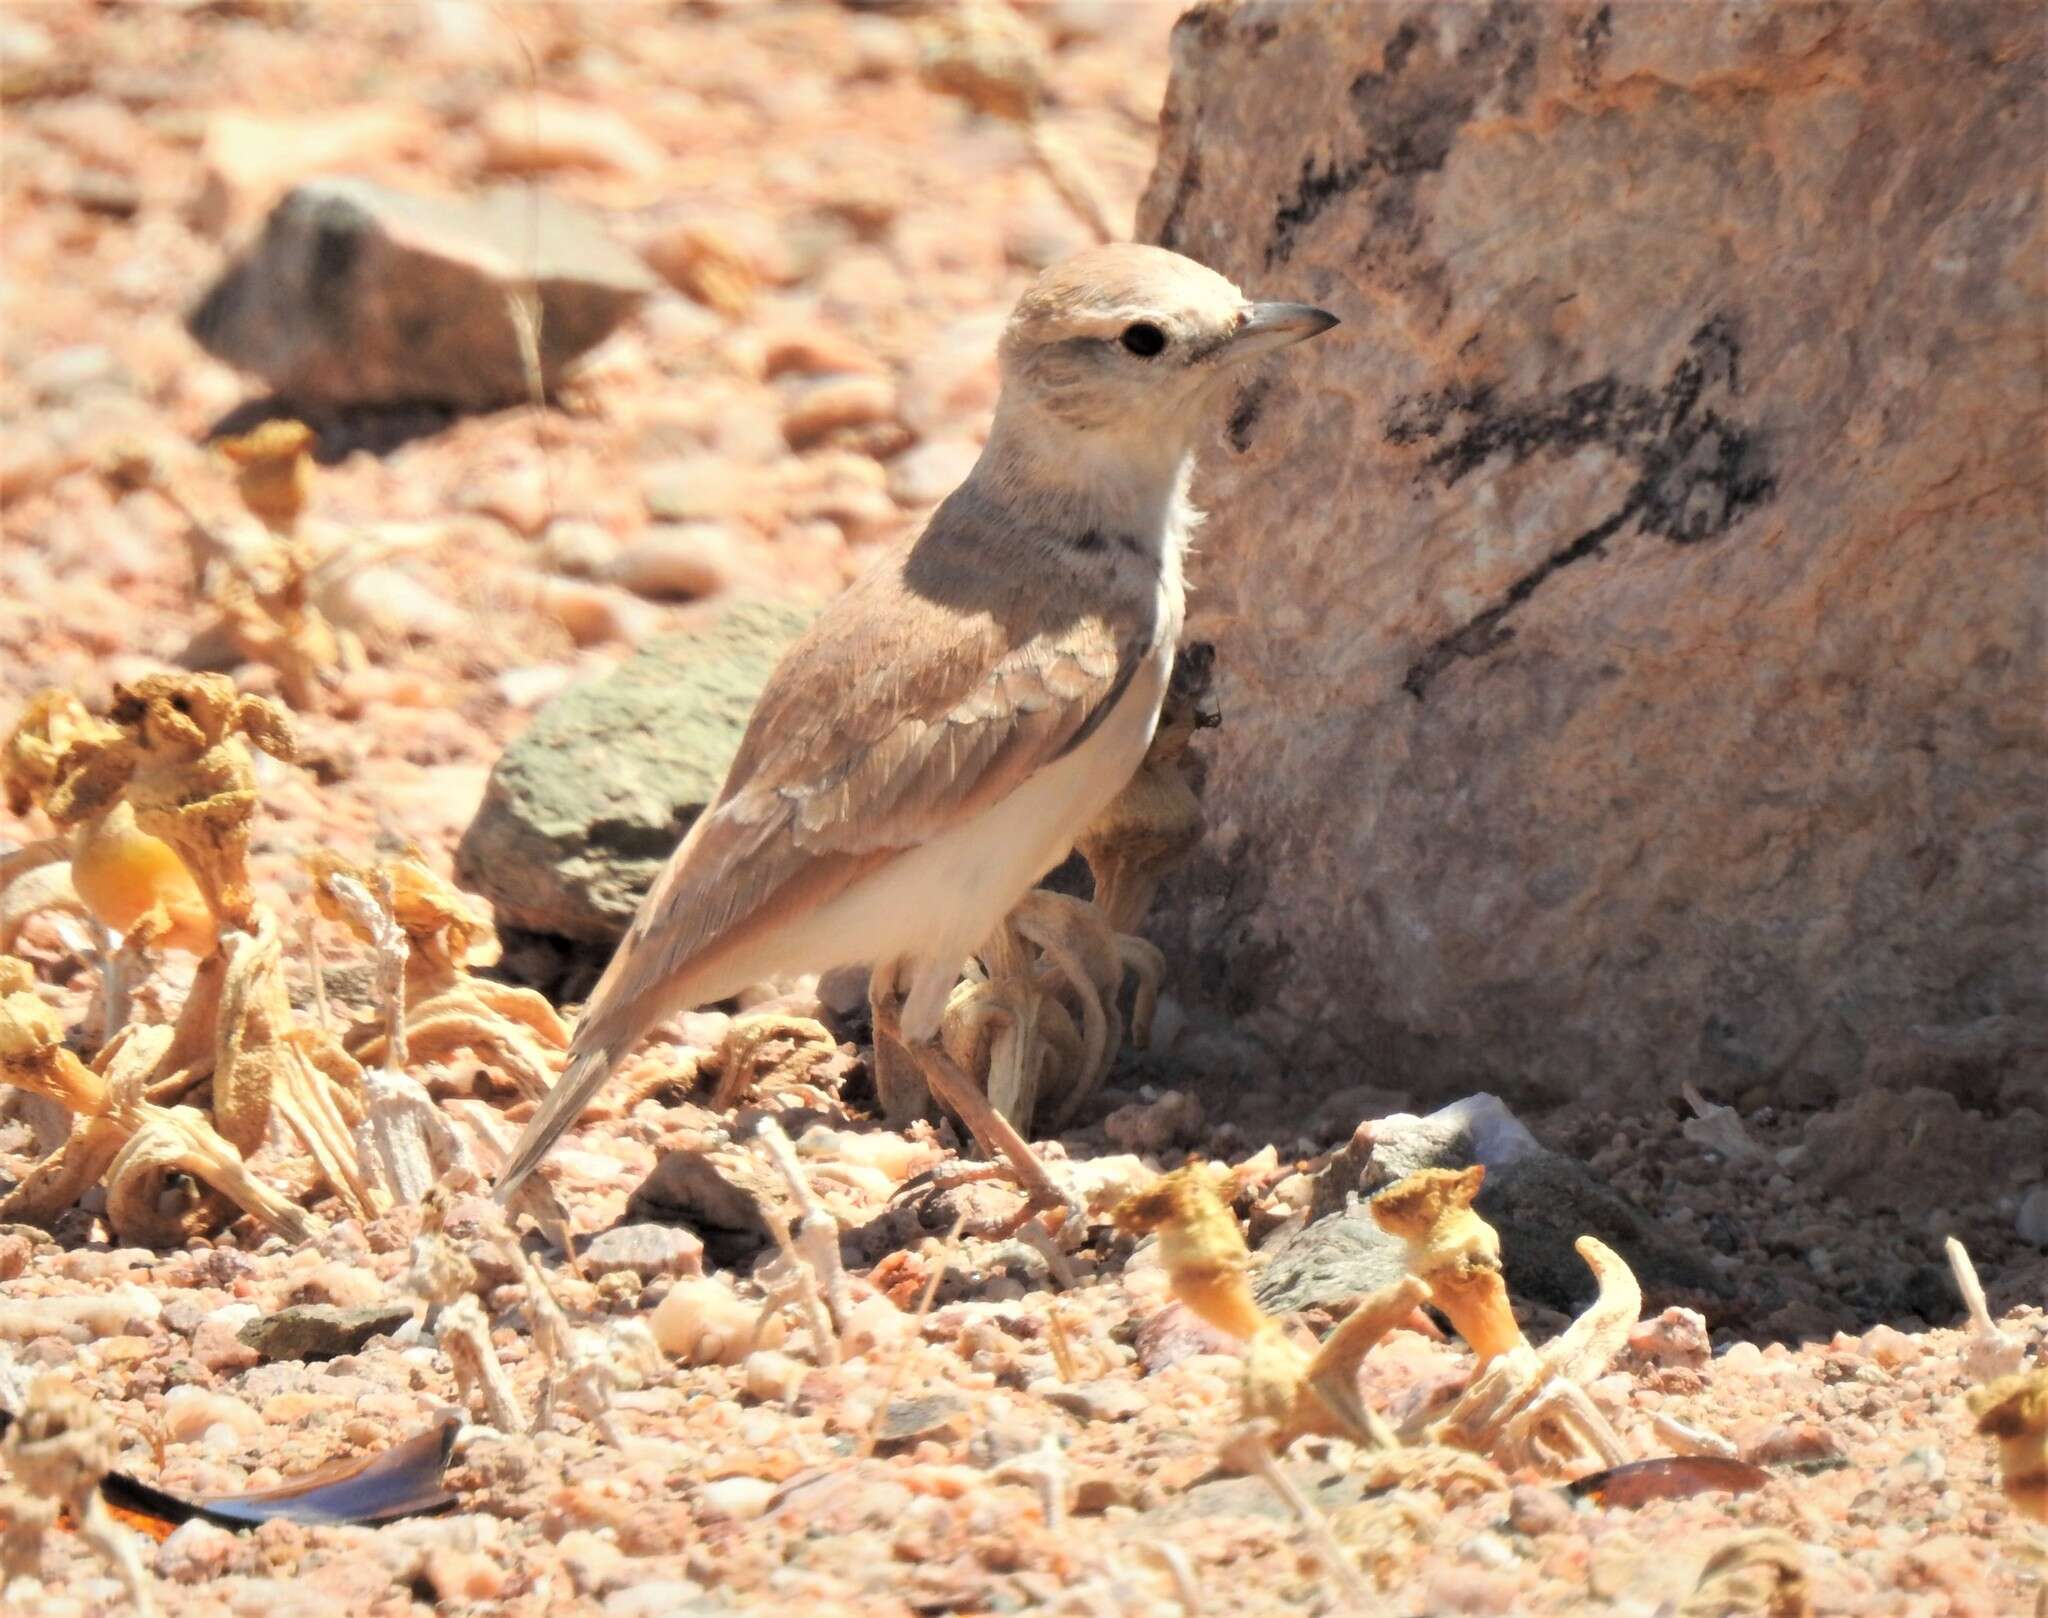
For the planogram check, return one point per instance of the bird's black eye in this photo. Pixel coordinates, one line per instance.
(1144, 339)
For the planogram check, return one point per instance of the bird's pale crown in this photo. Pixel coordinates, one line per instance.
(1126, 336)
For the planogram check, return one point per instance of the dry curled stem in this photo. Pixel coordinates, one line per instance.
(814, 1248)
(1757, 1575)
(1251, 1449)
(1525, 1408)
(56, 1453)
(1990, 1353)
(426, 934)
(769, 1050)
(465, 1337)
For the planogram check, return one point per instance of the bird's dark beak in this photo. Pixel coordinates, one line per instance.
(1267, 326)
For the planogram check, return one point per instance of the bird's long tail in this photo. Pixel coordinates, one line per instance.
(591, 1060)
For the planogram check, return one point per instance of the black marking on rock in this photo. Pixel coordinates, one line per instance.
(1244, 415)
(1589, 45)
(1091, 542)
(1698, 472)
(1410, 113)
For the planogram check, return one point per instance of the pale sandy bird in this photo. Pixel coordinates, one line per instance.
(935, 742)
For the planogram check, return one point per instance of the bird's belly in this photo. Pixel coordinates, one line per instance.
(941, 901)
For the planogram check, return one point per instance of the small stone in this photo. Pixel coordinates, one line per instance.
(1106, 1399)
(1096, 1492)
(874, 1322)
(189, 1412)
(701, 1322)
(944, 1418)
(2032, 1223)
(812, 351)
(701, 488)
(680, 562)
(1174, 1333)
(577, 548)
(519, 499)
(15, 1252)
(1890, 1347)
(61, 377)
(321, 1331)
(708, 263)
(527, 134)
(835, 405)
(217, 1342)
(1173, 1119)
(735, 1499)
(594, 1564)
(462, 1576)
(660, 1598)
(1534, 1509)
(195, 1551)
(772, 1377)
(1471, 1590)
(1797, 1442)
(645, 1250)
(347, 1286)
(1675, 1337)
(389, 265)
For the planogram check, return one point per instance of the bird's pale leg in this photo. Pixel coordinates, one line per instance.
(961, 1096)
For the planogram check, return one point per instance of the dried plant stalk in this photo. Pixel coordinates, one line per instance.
(56, 1453)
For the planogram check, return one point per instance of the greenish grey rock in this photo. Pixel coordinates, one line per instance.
(584, 808)
(321, 1331)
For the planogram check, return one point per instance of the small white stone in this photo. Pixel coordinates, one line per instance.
(734, 1499)
(772, 1377)
(2032, 1223)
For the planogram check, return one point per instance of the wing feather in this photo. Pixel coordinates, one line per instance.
(927, 692)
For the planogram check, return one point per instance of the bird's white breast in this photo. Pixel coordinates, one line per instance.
(938, 903)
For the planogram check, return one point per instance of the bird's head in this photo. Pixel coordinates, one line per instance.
(1125, 342)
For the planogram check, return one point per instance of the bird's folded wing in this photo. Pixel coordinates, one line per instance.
(856, 753)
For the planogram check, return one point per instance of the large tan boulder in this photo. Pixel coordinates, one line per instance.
(1630, 622)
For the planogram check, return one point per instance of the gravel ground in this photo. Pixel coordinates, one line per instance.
(1024, 1445)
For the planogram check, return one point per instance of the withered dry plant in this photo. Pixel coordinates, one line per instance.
(170, 1111)
(52, 1459)
(280, 595)
(1523, 1406)
(446, 1010)
(583, 1367)
(102, 863)
(2014, 1411)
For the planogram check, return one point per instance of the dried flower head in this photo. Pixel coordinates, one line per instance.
(273, 471)
(1454, 1252)
(1200, 1245)
(178, 759)
(2014, 1410)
